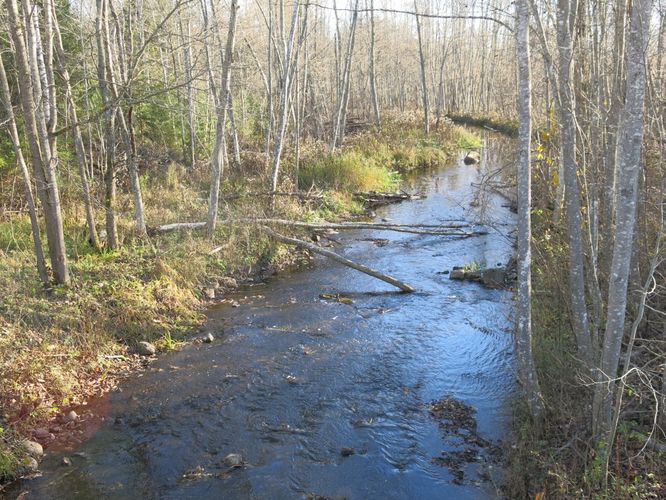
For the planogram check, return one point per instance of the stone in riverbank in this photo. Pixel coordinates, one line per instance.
(145, 349)
(33, 448)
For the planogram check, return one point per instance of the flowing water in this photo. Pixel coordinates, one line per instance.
(322, 397)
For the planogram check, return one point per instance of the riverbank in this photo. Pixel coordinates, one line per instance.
(61, 346)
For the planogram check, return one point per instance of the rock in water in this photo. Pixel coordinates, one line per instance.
(457, 274)
(494, 278)
(472, 157)
(347, 452)
(208, 338)
(33, 448)
(146, 349)
(233, 460)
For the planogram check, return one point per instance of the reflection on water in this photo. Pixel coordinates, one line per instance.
(291, 380)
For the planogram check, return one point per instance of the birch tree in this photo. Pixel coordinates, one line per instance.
(284, 98)
(6, 100)
(524, 303)
(35, 111)
(628, 159)
(217, 159)
(566, 19)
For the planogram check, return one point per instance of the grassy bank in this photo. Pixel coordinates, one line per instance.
(59, 347)
(498, 124)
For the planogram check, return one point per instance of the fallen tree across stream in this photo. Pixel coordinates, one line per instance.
(459, 229)
(338, 258)
(453, 228)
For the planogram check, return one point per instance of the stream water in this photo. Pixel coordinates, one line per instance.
(321, 398)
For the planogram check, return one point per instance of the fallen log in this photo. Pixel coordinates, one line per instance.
(301, 196)
(452, 229)
(338, 258)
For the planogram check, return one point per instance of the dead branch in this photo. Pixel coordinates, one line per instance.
(334, 256)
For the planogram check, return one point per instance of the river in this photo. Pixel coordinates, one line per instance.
(328, 399)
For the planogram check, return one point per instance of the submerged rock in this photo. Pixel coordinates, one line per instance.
(233, 460)
(347, 451)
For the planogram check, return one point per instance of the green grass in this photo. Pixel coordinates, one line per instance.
(348, 171)
(468, 141)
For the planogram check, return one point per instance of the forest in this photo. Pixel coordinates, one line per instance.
(160, 161)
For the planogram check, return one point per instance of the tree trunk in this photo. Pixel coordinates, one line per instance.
(525, 357)
(44, 159)
(566, 16)
(628, 159)
(341, 113)
(6, 100)
(217, 160)
(104, 79)
(373, 71)
(424, 81)
(79, 146)
(284, 96)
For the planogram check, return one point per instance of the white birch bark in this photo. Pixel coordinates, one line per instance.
(566, 18)
(628, 161)
(44, 159)
(524, 354)
(5, 99)
(284, 96)
(217, 160)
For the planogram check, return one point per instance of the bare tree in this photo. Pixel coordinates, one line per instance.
(424, 80)
(217, 160)
(524, 303)
(5, 99)
(44, 158)
(284, 97)
(628, 158)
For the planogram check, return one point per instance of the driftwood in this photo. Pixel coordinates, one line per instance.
(376, 199)
(338, 258)
(459, 229)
